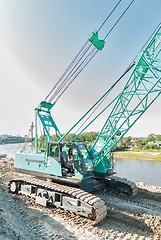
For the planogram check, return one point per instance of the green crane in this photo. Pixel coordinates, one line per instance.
(141, 90)
(86, 170)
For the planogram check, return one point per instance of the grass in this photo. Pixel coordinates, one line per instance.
(155, 155)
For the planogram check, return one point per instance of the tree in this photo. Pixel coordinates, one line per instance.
(41, 142)
(127, 141)
(91, 137)
(158, 137)
(150, 138)
(69, 137)
(54, 138)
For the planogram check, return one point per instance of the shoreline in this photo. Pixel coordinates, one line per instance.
(148, 156)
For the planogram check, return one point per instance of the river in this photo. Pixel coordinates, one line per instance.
(11, 149)
(139, 170)
(134, 170)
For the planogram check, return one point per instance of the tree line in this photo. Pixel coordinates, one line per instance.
(87, 138)
(126, 142)
(148, 143)
(7, 139)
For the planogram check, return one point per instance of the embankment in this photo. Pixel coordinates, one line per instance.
(155, 156)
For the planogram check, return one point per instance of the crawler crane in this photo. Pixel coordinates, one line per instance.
(94, 166)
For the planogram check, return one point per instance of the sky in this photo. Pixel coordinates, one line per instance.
(39, 39)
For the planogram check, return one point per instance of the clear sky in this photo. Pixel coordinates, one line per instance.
(38, 40)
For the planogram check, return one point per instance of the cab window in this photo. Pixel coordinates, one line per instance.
(53, 150)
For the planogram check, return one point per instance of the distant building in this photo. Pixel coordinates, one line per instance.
(134, 144)
(158, 143)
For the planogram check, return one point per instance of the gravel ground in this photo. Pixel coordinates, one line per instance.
(136, 218)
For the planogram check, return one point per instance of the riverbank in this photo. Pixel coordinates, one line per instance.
(154, 156)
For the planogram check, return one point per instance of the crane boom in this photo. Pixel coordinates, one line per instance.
(69, 165)
(140, 91)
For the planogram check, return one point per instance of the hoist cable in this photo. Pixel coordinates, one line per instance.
(150, 37)
(109, 16)
(68, 68)
(85, 64)
(108, 32)
(118, 20)
(64, 81)
(133, 62)
(95, 118)
(66, 76)
(98, 102)
(91, 113)
(141, 51)
(105, 95)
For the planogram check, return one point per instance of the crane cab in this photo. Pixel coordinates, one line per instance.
(55, 162)
(74, 159)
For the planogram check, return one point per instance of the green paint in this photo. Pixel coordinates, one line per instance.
(46, 105)
(47, 122)
(99, 44)
(140, 91)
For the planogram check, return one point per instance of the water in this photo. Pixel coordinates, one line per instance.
(134, 170)
(139, 170)
(10, 149)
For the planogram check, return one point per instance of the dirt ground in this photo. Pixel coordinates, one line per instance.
(136, 218)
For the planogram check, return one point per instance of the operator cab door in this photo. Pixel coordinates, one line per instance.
(82, 164)
(66, 161)
(54, 151)
(59, 152)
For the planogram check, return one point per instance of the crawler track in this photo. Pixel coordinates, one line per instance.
(134, 218)
(69, 198)
(121, 185)
(72, 199)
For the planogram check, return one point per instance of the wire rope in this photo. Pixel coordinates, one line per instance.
(68, 68)
(65, 80)
(118, 19)
(79, 54)
(105, 95)
(108, 16)
(85, 64)
(68, 76)
(102, 100)
(95, 105)
(150, 37)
